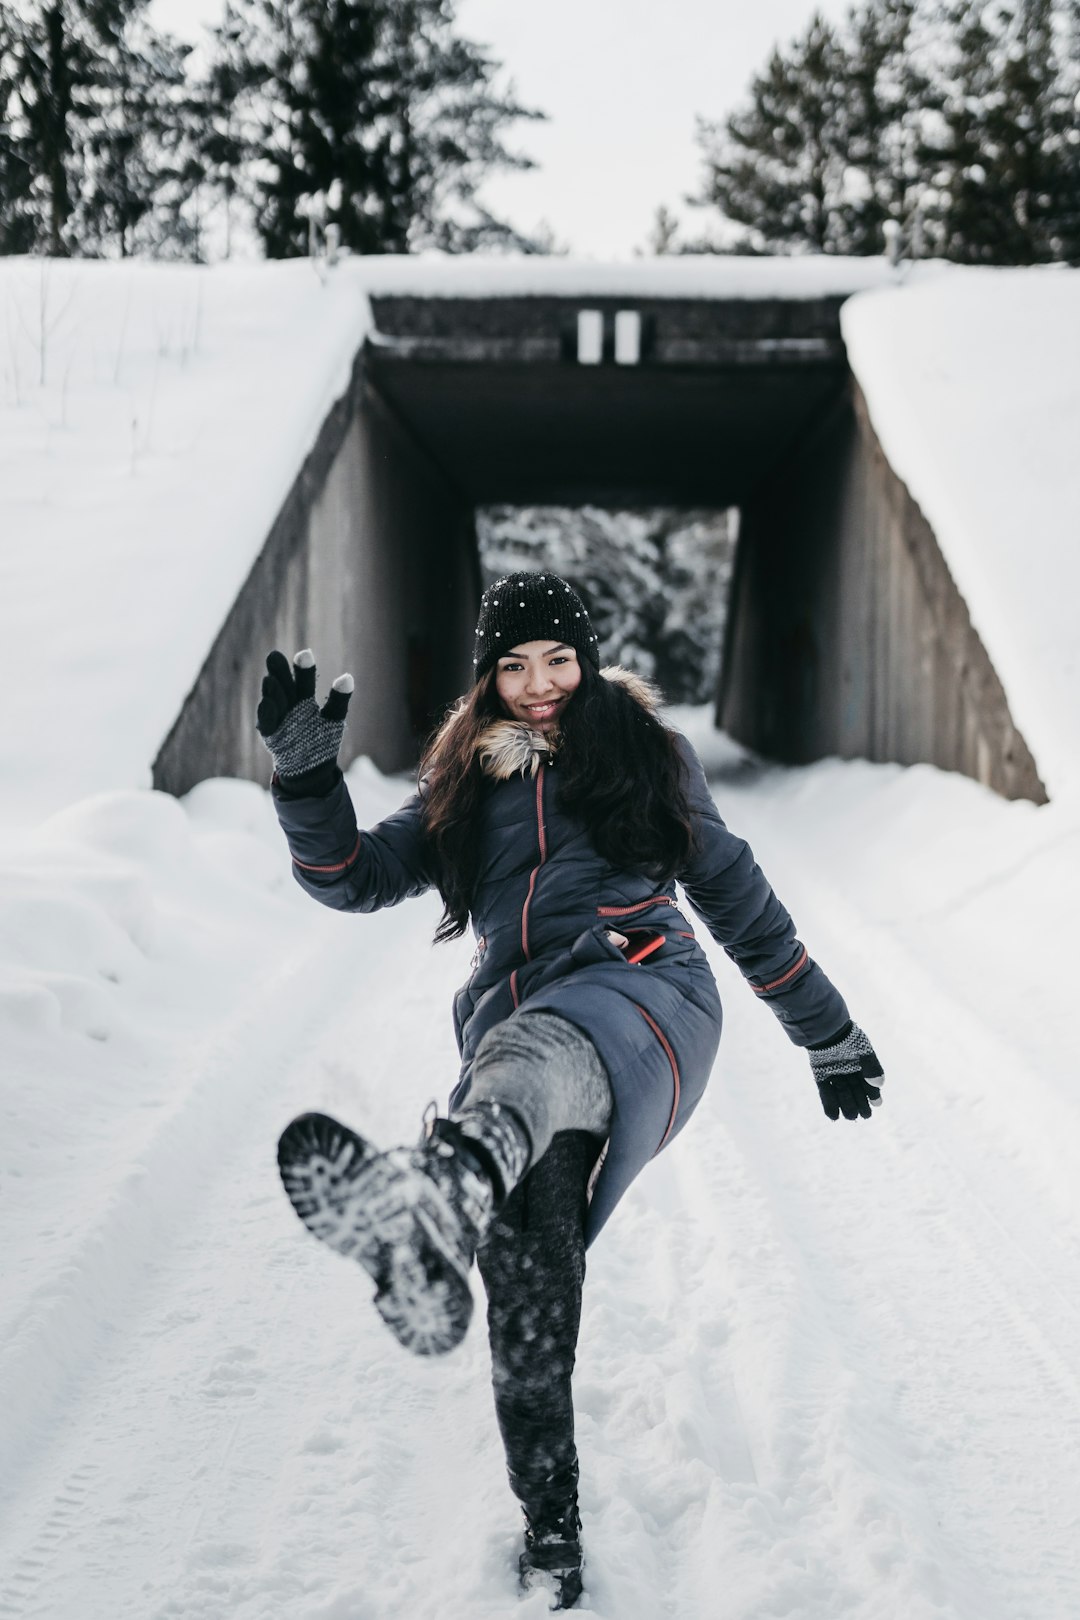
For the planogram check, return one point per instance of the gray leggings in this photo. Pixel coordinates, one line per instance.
(548, 1072)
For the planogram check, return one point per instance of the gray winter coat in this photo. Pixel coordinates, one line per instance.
(543, 911)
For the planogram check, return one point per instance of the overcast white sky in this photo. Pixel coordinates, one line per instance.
(621, 81)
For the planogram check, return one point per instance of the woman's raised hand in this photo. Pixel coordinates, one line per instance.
(298, 734)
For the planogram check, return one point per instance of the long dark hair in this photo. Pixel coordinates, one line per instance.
(618, 772)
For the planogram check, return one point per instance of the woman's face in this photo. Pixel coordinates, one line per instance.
(536, 680)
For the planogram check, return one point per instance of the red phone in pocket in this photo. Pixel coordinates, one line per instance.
(640, 943)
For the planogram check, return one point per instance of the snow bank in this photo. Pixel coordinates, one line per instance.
(152, 419)
(973, 385)
(133, 927)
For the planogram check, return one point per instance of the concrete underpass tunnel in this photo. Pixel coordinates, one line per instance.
(560, 402)
(845, 633)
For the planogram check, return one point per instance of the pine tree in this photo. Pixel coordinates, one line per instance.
(777, 167)
(47, 55)
(1068, 207)
(85, 91)
(957, 120)
(226, 125)
(318, 101)
(448, 123)
(663, 235)
(136, 142)
(1006, 167)
(374, 112)
(17, 230)
(884, 95)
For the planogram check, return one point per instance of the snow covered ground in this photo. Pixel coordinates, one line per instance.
(826, 1371)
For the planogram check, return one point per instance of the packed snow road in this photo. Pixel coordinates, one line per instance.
(826, 1371)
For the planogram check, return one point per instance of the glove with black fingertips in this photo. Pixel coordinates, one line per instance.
(302, 739)
(846, 1068)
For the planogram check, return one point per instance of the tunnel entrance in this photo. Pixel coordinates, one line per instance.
(627, 403)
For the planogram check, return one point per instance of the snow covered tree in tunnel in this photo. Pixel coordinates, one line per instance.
(655, 581)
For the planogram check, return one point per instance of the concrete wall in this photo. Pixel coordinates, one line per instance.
(846, 632)
(372, 562)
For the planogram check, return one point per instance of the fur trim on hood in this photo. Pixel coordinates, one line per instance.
(641, 690)
(512, 747)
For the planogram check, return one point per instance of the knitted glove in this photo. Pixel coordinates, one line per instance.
(844, 1068)
(300, 736)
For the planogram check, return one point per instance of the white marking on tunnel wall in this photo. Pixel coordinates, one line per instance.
(627, 337)
(590, 337)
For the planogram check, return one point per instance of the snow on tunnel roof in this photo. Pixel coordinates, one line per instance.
(434, 275)
(972, 380)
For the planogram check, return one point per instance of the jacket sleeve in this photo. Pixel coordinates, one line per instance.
(350, 870)
(734, 899)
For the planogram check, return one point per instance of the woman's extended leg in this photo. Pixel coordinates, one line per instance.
(533, 1266)
(547, 1071)
(414, 1217)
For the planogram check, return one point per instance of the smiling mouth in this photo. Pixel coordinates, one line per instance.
(543, 711)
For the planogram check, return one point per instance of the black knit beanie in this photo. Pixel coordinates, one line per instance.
(531, 607)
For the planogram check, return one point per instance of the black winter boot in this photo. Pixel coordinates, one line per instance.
(412, 1217)
(552, 1556)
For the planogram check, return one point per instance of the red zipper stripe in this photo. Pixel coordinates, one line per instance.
(640, 905)
(760, 989)
(340, 866)
(670, 1055)
(525, 914)
(540, 813)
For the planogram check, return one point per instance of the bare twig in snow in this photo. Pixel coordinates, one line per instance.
(123, 331)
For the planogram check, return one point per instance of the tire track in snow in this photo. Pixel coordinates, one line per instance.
(225, 1081)
(868, 1284)
(266, 1445)
(974, 1328)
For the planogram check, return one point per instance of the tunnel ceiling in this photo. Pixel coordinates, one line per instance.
(494, 391)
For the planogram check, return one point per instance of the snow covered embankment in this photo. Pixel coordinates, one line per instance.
(152, 420)
(971, 379)
(823, 1370)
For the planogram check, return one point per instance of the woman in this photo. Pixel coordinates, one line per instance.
(555, 813)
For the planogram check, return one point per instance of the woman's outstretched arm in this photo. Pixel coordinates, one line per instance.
(347, 869)
(741, 910)
(332, 860)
